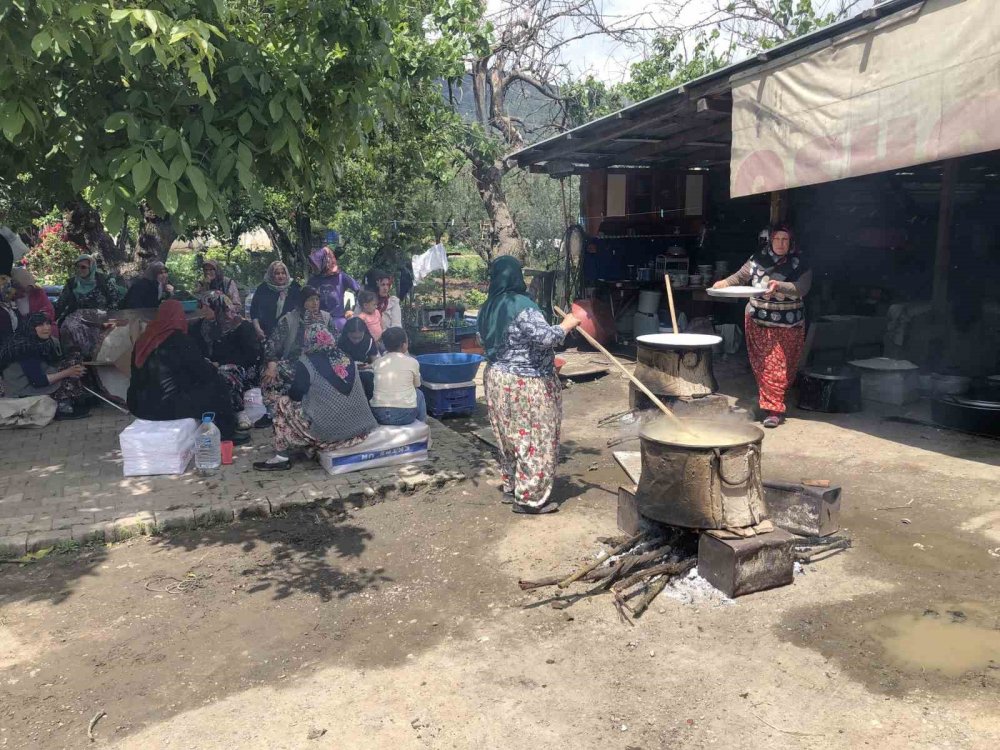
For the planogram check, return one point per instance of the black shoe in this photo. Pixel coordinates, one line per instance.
(273, 465)
(550, 507)
(241, 438)
(507, 496)
(263, 423)
(66, 412)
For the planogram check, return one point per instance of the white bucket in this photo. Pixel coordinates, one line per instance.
(644, 324)
(649, 302)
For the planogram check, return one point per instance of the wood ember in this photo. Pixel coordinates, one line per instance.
(640, 566)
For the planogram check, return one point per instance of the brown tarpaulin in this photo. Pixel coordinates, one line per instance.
(918, 86)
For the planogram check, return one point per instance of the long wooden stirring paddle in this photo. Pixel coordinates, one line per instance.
(635, 381)
(670, 299)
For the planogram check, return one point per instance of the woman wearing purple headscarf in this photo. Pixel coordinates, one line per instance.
(331, 283)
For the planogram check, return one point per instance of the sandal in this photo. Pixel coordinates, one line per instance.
(508, 495)
(550, 507)
(270, 465)
(773, 420)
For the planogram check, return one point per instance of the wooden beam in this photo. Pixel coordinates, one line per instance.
(942, 252)
(707, 105)
(779, 206)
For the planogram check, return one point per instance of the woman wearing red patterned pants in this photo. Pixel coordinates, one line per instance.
(775, 322)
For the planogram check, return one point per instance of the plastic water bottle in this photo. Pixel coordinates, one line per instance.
(207, 445)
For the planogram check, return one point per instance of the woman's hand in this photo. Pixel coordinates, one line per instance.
(260, 331)
(569, 322)
(270, 375)
(73, 371)
(720, 284)
(772, 287)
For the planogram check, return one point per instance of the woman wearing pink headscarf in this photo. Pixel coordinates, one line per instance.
(331, 283)
(31, 298)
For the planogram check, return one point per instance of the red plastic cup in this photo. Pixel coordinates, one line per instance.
(227, 451)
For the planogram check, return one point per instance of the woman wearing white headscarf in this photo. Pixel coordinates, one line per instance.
(277, 295)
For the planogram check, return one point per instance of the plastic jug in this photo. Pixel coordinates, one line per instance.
(207, 445)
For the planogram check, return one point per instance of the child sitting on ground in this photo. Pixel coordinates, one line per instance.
(368, 312)
(398, 399)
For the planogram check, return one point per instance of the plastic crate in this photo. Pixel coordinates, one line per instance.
(449, 399)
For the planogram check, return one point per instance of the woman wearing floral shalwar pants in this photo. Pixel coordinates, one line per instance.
(775, 322)
(523, 393)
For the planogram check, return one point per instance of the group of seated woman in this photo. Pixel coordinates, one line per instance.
(323, 388)
(32, 362)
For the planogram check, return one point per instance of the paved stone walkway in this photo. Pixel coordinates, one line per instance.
(64, 482)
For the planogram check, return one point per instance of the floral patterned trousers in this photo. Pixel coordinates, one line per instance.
(774, 356)
(526, 414)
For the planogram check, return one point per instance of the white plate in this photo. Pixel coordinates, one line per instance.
(736, 291)
(673, 340)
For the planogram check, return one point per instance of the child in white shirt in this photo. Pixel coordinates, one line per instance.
(398, 399)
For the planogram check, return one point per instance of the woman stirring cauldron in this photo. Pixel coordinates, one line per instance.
(775, 322)
(523, 393)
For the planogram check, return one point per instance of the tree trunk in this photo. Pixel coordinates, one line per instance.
(282, 244)
(82, 224)
(156, 235)
(505, 239)
(303, 241)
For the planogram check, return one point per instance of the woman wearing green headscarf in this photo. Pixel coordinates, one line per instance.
(523, 394)
(87, 289)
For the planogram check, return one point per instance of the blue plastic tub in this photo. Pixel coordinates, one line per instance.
(458, 367)
(189, 305)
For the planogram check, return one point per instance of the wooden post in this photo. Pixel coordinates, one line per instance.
(942, 252)
(779, 206)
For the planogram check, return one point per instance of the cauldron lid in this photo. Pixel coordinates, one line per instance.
(679, 340)
(833, 373)
(706, 433)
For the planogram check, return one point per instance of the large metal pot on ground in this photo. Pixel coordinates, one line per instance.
(710, 479)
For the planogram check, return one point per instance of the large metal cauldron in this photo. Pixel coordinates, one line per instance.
(676, 364)
(687, 483)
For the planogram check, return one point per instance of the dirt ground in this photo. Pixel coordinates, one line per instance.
(400, 624)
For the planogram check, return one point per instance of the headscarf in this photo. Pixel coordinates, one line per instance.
(152, 273)
(227, 317)
(169, 318)
(153, 270)
(22, 277)
(381, 303)
(505, 300)
(84, 285)
(331, 363)
(269, 277)
(791, 265)
(325, 261)
(220, 282)
(357, 352)
(26, 343)
(307, 316)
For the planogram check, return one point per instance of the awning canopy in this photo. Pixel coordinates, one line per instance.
(920, 85)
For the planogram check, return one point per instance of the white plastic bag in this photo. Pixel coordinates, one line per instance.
(253, 406)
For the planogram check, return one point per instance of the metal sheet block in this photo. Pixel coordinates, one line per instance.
(803, 510)
(743, 566)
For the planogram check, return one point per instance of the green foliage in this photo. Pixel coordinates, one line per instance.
(670, 65)
(470, 267)
(475, 298)
(51, 260)
(239, 263)
(183, 104)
